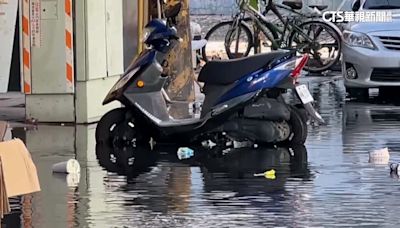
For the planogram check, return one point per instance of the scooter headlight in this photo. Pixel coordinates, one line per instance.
(146, 34)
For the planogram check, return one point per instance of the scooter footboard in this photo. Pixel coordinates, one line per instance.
(150, 104)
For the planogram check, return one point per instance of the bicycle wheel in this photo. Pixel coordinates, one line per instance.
(324, 48)
(220, 41)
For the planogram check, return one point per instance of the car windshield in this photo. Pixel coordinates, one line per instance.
(382, 4)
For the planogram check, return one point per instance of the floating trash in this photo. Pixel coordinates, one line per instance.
(185, 153)
(270, 174)
(208, 144)
(380, 157)
(70, 166)
(244, 144)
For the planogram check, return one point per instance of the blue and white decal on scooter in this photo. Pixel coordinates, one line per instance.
(265, 80)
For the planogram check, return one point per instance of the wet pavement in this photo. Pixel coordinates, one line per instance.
(12, 106)
(327, 183)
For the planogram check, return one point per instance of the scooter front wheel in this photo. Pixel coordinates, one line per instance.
(119, 129)
(108, 124)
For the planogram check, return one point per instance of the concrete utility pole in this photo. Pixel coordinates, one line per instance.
(180, 87)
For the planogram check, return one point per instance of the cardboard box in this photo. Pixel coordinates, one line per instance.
(4, 204)
(18, 174)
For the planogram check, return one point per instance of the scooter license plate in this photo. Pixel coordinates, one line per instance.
(304, 94)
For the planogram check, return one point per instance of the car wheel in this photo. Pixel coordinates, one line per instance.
(358, 93)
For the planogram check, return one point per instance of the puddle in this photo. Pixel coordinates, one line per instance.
(327, 183)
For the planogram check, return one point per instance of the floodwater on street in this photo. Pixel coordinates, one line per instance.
(327, 183)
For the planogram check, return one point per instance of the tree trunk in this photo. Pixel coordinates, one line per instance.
(180, 86)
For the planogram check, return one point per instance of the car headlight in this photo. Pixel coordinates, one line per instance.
(358, 39)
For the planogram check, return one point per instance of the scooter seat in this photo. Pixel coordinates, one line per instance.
(295, 5)
(319, 7)
(225, 72)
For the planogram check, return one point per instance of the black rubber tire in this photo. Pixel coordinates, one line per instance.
(333, 33)
(109, 120)
(267, 29)
(299, 129)
(303, 112)
(243, 26)
(118, 128)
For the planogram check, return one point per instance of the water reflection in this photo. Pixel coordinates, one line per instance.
(235, 171)
(56, 204)
(370, 126)
(210, 183)
(128, 162)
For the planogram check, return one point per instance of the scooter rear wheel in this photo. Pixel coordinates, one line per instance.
(298, 125)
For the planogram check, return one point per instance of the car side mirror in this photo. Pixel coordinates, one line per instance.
(356, 5)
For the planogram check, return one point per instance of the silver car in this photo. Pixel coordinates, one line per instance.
(371, 51)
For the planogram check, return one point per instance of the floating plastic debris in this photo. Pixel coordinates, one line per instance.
(70, 166)
(237, 144)
(208, 144)
(185, 153)
(270, 174)
(380, 157)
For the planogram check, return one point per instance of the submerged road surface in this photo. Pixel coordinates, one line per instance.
(327, 183)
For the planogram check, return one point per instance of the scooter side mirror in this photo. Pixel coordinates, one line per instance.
(172, 9)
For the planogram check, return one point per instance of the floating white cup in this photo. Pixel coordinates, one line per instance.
(380, 157)
(70, 166)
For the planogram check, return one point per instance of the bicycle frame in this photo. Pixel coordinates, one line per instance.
(297, 34)
(261, 21)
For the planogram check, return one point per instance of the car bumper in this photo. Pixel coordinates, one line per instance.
(375, 68)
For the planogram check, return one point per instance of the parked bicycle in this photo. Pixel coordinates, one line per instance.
(303, 33)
